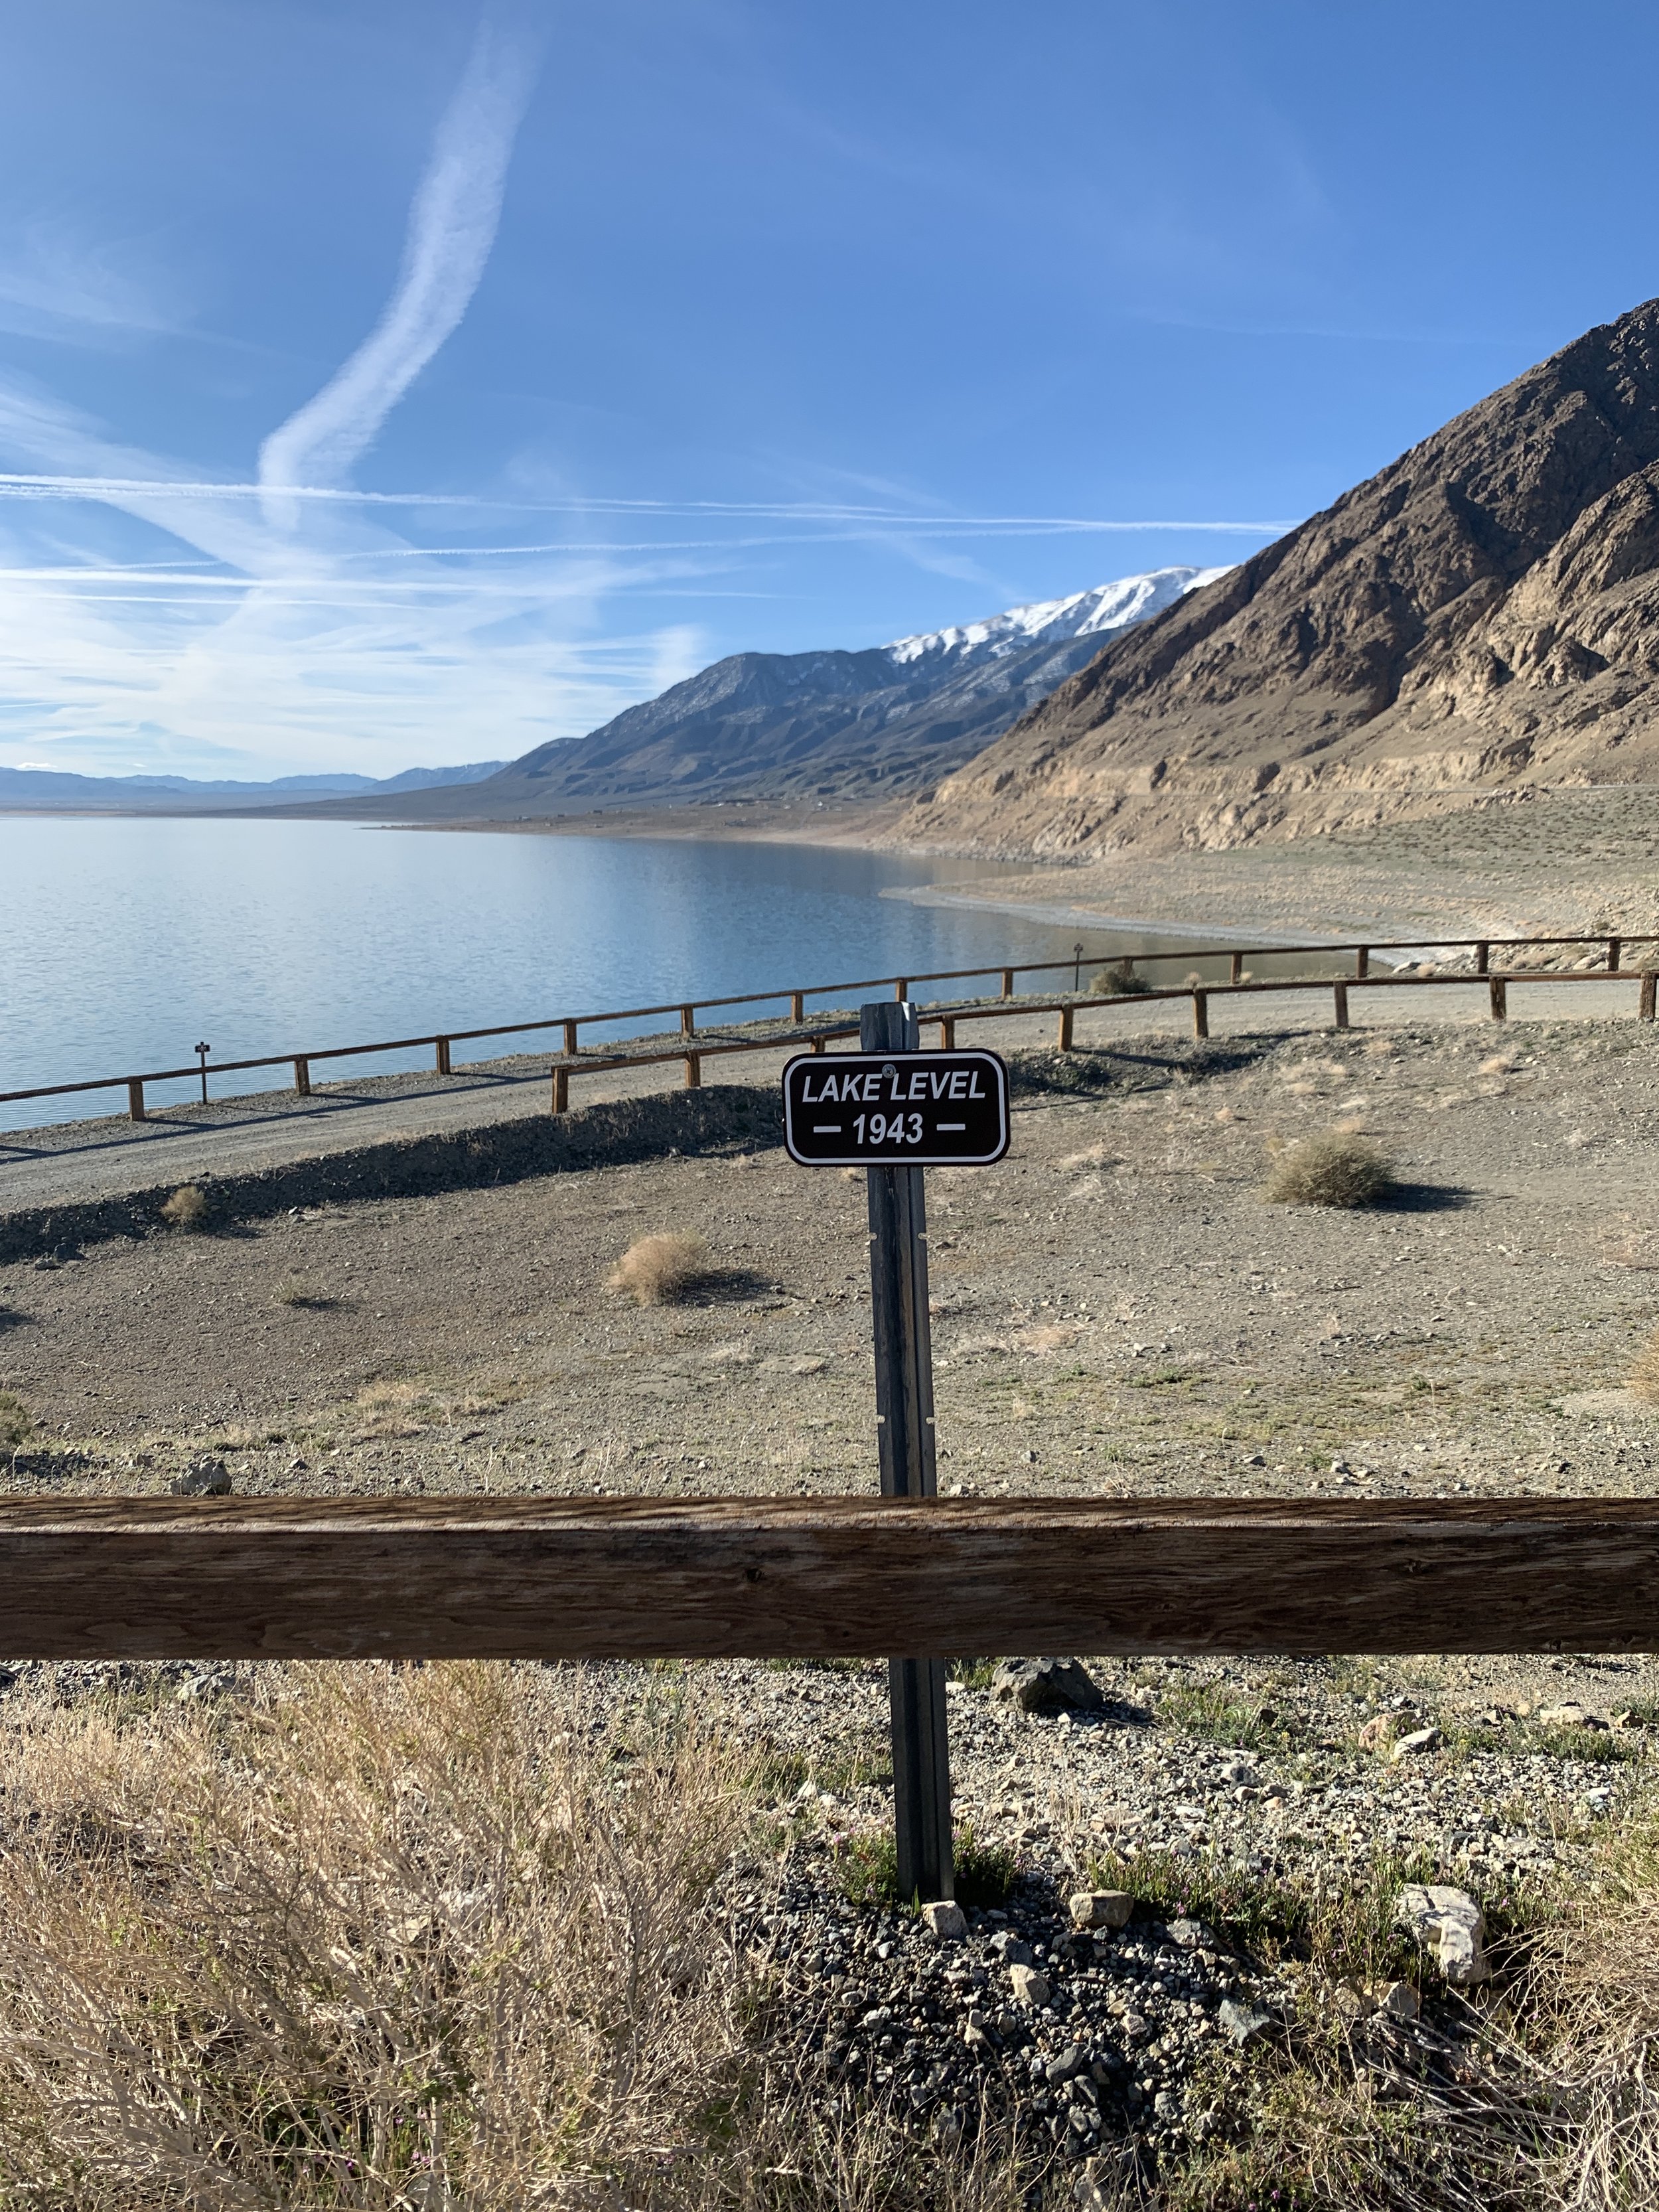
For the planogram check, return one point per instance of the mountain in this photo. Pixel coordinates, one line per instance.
(890, 719)
(53, 787)
(1478, 618)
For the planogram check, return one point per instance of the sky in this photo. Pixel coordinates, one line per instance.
(388, 383)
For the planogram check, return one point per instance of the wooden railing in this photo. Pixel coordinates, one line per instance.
(637, 1578)
(800, 1029)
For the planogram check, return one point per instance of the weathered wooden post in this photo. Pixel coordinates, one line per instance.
(1499, 997)
(1201, 1014)
(1340, 993)
(302, 1077)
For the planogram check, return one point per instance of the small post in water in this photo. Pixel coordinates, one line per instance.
(904, 1416)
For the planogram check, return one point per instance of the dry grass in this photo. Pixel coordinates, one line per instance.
(382, 1939)
(1644, 1376)
(16, 1422)
(294, 1291)
(186, 1209)
(656, 1271)
(1337, 1168)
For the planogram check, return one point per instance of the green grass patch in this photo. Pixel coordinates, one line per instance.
(869, 1871)
(1215, 1715)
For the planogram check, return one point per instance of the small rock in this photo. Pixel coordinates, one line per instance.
(203, 1478)
(1399, 2000)
(1237, 1770)
(1241, 2023)
(978, 2033)
(1070, 2063)
(1567, 1716)
(1009, 1950)
(1378, 1733)
(1047, 1686)
(1426, 1739)
(1448, 1924)
(1350, 2004)
(1029, 1987)
(1101, 1908)
(1191, 1935)
(945, 1920)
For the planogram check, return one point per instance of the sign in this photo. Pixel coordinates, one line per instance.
(914, 1110)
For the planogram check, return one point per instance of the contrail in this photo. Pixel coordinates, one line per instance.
(451, 227)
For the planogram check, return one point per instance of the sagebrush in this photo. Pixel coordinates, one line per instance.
(657, 1270)
(187, 1208)
(16, 1422)
(1334, 1168)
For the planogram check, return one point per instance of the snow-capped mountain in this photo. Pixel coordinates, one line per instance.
(889, 719)
(1085, 614)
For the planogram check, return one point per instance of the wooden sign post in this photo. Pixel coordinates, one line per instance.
(894, 1108)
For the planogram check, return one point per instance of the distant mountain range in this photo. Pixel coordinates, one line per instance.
(1479, 619)
(891, 719)
(55, 789)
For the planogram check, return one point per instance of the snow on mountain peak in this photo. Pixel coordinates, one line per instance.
(1106, 607)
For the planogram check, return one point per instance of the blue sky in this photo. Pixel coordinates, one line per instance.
(390, 381)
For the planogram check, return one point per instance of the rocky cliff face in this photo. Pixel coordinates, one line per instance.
(1482, 615)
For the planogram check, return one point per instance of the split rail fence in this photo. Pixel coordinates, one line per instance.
(817, 1036)
(635, 1578)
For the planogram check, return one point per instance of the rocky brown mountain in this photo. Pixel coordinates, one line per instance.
(1479, 619)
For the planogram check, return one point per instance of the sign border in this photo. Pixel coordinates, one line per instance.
(911, 1159)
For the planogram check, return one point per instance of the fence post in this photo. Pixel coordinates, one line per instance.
(1065, 1029)
(1201, 1014)
(1615, 948)
(1007, 982)
(818, 1044)
(136, 1101)
(442, 1062)
(302, 1078)
(561, 1089)
(797, 1006)
(947, 1033)
(693, 1071)
(1236, 973)
(1340, 993)
(688, 1021)
(570, 1040)
(1362, 962)
(904, 1414)
(1646, 1012)
(902, 989)
(1482, 958)
(1500, 1004)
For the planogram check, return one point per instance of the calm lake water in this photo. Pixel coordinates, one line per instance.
(124, 941)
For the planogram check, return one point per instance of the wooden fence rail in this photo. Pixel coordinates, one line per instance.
(639, 1578)
(440, 1043)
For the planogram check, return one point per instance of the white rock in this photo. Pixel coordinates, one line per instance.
(1029, 1987)
(1101, 1908)
(1450, 1925)
(1407, 1746)
(945, 1920)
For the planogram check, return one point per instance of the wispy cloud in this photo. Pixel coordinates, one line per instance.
(451, 227)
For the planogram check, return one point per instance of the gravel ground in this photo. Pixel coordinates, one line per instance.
(1115, 1310)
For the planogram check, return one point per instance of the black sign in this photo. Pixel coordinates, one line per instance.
(896, 1110)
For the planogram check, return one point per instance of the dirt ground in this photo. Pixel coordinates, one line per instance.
(1115, 1307)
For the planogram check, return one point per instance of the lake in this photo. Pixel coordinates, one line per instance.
(124, 941)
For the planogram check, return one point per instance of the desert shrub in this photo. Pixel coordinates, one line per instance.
(1336, 1168)
(294, 1291)
(656, 1271)
(1644, 1376)
(1120, 981)
(186, 1208)
(17, 1423)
